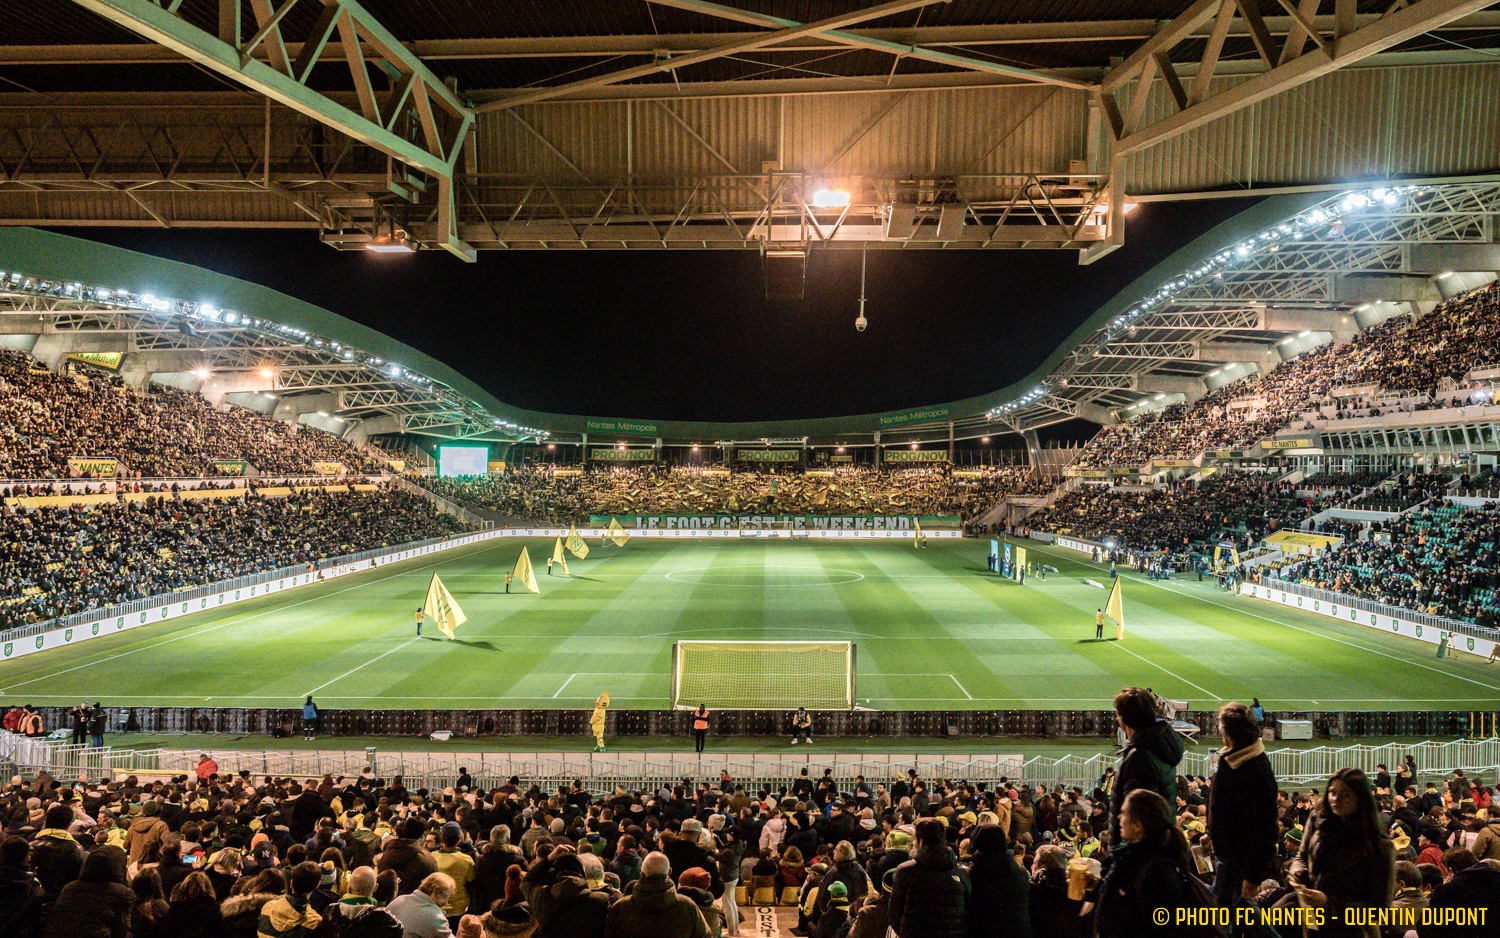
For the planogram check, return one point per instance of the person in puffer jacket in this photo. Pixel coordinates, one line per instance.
(357, 914)
(930, 898)
(291, 915)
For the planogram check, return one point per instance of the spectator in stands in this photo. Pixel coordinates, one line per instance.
(22, 908)
(654, 909)
(1241, 807)
(193, 910)
(407, 858)
(1345, 861)
(96, 903)
(1147, 872)
(930, 896)
(1000, 904)
(1149, 759)
(420, 912)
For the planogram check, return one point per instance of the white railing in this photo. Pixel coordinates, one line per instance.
(602, 772)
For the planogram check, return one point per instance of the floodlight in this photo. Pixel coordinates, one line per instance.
(148, 299)
(984, 439)
(393, 243)
(830, 198)
(841, 449)
(201, 373)
(554, 446)
(267, 373)
(914, 446)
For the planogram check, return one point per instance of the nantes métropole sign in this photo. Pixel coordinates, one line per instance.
(919, 415)
(619, 426)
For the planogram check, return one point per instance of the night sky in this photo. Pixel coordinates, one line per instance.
(688, 335)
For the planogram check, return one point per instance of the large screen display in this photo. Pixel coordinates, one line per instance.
(463, 460)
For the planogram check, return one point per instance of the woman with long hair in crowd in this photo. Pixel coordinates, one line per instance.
(1345, 861)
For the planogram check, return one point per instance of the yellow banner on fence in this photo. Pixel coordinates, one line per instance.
(94, 466)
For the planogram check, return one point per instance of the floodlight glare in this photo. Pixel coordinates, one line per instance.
(395, 243)
(267, 373)
(830, 198)
(201, 373)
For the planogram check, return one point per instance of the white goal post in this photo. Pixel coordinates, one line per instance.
(763, 675)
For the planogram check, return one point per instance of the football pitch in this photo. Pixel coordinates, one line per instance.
(934, 630)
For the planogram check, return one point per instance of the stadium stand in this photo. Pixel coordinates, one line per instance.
(221, 852)
(55, 561)
(45, 418)
(1240, 506)
(545, 496)
(1440, 560)
(1415, 366)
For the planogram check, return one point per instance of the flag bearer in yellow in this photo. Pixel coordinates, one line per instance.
(441, 608)
(596, 722)
(523, 573)
(557, 557)
(1115, 609)
(1099, 625)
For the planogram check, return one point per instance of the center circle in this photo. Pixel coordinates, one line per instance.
(764, 576)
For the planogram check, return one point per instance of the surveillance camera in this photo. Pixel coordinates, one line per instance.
(860, 323)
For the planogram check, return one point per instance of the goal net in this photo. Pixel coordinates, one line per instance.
(763, 675)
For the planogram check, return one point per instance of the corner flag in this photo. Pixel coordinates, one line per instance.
(576, 545)
(523, 572)
(1115, 609)
(557, 555)
(617, 533)
(441, 608)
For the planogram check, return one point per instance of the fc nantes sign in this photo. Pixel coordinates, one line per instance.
(98, 468)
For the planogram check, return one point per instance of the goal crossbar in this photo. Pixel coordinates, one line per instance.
(763, 675)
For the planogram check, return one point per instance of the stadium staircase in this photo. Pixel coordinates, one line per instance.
(473, 517)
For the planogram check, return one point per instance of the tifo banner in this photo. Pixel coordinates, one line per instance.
(1286, 444)
(93, 466)
(916, 455)
(767, 455)
(619, 426)
(1431, 634)
(110, 360)
(622, 455)
(229, 467)
(329, 468)
(919, 415)
(796, 522)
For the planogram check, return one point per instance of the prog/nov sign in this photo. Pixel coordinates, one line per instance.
(916, 455)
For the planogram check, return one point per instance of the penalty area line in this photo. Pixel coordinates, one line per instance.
(565, 685)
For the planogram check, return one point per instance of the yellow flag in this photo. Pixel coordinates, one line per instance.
(557, 555)
(523, 574)
(1218, 556)
(576, 544)
(441, 608)
(1115, 609)
(917, 538)
(616, 533)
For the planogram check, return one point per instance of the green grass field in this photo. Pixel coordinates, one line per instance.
(934, 630)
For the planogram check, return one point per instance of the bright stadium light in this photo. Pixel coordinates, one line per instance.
(554, 446)
(201, 373)
(830, 198)
(267, 373)
(984, 439)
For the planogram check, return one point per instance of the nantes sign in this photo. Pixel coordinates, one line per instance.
(908, 417)
(619, 426)
(97, 468)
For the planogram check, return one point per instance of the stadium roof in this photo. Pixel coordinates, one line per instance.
(687, 124)
(1288, 273)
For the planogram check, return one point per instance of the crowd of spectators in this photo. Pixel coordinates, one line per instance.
(1242, 507)
(547, 496)
(213, 854)
(163, 432)
(1440, 560)
(1424, 362)
(64, 560)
